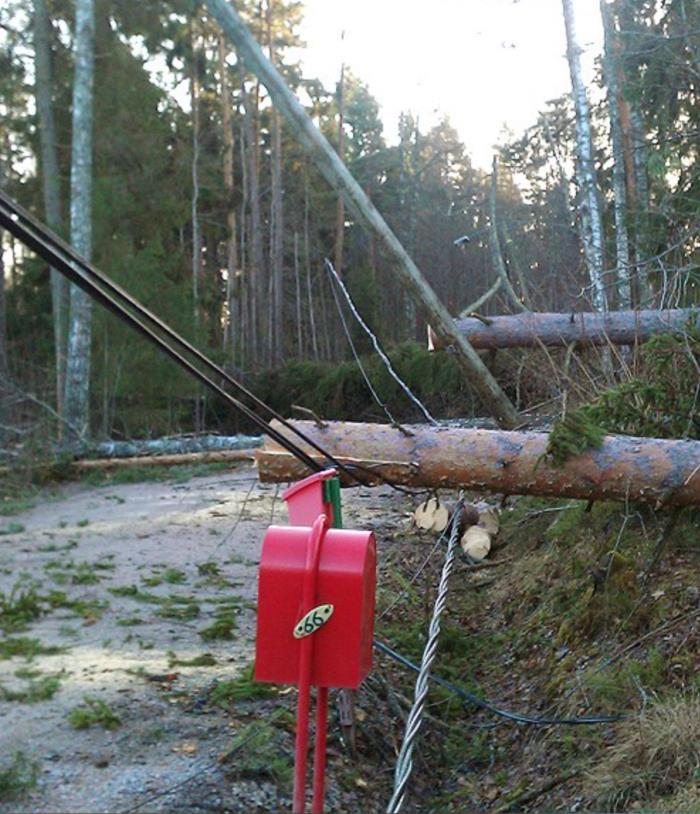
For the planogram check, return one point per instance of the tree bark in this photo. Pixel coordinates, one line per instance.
(276, 327)
(532, 330)
(255, 243)
(589, 207)
(622, 247)
(491, 394)
(664, 473)
(232, 280)
(495, 243)
(340, 206)
(76, 402)
(43, 87)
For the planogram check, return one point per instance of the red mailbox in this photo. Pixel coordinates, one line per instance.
(346, 580)
(315, 613)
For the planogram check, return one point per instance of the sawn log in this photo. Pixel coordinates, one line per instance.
(664, 473)
(531, 329)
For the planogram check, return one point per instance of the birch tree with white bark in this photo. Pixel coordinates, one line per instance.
(76, 402)
(622, 244)
(43, 92)
(589, 204)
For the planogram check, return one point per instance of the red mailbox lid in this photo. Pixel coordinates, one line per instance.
(342, 654)
(305, 499)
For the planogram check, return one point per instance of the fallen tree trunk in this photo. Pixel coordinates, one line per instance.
(337, 174)
(185, 459)
(531, 329)
(137, 462)
(664, 473)
(183, 445)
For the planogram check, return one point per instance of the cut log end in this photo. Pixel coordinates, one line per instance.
(476, 543)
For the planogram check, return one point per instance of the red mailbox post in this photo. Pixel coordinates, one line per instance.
(315, 613)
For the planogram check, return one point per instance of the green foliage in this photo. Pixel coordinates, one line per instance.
(174, 576)
(18, 775)
(661, 401)
(20, 607)
(93, 712)
(11, 528)
(203, 660)
(259, 752)
(223, 627)
(11, 646)
(242, 688)
(42, 689)
(338, 391)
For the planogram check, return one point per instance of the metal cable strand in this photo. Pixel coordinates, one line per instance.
(404, 764)
(356, 356)
(375, 342)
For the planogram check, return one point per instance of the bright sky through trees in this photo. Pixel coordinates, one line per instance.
(484, 63)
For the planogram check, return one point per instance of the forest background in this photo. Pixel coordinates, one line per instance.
(213, 216)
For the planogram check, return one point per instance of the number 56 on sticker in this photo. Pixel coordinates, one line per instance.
(312, 621)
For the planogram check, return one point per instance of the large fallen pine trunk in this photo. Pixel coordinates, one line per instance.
(531, 329)
(665, 473)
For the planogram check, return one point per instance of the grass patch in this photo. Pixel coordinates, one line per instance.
(84, 574)
(177, 608)
(140, 474)
(50, 548)
(171, 607)
(203, 660)
(223, 627)
(20, 607)
(260, 752)
(152, 581)
(43, 689)
(11, 528)
(130, 621)
(87, 609)
(657, 754)
(17, 776)
(173, 576)
(242, 688)
(15, 505)
(209, 568)
(93, 712)
(12, 646)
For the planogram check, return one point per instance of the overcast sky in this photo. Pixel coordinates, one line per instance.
(488, 64)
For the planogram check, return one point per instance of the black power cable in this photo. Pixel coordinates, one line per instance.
(470, 698)
(57, 260)
(61, 256)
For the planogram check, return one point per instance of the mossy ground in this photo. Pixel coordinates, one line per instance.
(594, 611)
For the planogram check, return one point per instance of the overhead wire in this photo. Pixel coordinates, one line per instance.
(61, 256)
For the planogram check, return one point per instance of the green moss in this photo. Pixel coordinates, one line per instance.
(660, 402)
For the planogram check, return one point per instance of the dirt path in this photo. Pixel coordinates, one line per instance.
(128, 577)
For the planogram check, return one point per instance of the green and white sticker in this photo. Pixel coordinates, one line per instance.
(313, 620)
